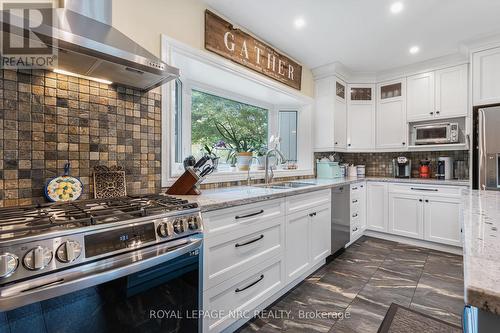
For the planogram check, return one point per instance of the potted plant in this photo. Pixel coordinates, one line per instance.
(261, 157)
(241, 147)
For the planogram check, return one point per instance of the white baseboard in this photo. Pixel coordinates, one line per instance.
(237, 324)
(415, 242)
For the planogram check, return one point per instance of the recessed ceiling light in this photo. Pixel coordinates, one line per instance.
(299, 23)
(396, 7)
(414, 49)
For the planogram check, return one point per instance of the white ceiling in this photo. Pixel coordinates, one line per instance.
(363, 34)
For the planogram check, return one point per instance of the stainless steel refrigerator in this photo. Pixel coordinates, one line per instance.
(488, 148)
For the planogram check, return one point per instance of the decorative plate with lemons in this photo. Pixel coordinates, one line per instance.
(64, 188)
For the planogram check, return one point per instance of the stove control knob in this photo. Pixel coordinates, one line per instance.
(193, 223)
(68, 251)
(37, 258)
(162, 230)
(179, 226)
(8, 264)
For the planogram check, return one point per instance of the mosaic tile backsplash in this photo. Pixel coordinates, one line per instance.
(49, 119)
(380, 164)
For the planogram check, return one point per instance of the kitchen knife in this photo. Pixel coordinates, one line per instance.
(201, 162)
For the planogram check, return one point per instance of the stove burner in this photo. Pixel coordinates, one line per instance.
(32, 220)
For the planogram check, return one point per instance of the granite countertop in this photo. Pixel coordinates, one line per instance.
(481, 246)
(219, 198)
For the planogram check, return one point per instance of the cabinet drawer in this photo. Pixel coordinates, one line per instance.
(358, 190)
(241, 293)
(228, 255)
(424, 189)
(308, 200)
(355, 205)
(231, 219)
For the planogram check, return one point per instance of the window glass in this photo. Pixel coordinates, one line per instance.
(224, 126)
(288, 134)
(178, 121)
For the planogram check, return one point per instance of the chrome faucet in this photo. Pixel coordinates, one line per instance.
(269, 174)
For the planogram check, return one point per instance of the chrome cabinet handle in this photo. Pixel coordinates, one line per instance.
(424, 189)
(249, 215)
(249, 242)
(237, 290)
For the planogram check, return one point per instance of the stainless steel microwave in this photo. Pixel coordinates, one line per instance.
(439, 133)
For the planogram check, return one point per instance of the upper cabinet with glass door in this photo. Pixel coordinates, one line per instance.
(361, 117)
(391, 115)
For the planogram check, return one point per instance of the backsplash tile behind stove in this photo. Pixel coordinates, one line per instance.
(48, 119)
(380, 164)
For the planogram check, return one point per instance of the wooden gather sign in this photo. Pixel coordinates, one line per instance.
(222, 38)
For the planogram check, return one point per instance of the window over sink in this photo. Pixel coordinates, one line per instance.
(213, 95)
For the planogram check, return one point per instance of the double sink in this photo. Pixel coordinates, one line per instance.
(286, 185)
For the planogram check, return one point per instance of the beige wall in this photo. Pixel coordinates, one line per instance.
(144, 21)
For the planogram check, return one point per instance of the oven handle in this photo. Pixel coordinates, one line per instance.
(89, 275)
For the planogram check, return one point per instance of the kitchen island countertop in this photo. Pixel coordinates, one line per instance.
(481, 248)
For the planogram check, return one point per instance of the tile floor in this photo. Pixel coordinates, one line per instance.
(362, 282)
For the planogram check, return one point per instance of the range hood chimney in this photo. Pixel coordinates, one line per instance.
(88, 46)
(99, 10)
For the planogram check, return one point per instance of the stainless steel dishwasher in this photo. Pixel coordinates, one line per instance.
(340, 217)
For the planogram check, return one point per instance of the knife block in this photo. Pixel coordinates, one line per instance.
(187, 184)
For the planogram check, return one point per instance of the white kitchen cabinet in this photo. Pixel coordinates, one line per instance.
(361, 117)
(330, 114)
(321, 222)
(324, 114)
(486, 77)
(451, 92)
(376, 206)
(442, 216)
(340, 115)
(308, 232)
(439, 94)
(420, 101)
(357, 210)
(391, 128)
(298, 259)
(406, 215)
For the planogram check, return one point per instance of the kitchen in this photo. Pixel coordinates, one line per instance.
(185, 167)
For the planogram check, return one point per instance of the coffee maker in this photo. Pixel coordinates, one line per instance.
(401, 167)
(444, 168)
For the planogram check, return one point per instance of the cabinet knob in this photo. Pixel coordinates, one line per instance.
(420, 200)
(426, 200)
(431, 113)
(349, 144)
(336, 143)
(403, 143)
(437, 112)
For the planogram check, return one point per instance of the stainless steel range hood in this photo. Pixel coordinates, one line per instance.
(89, 47)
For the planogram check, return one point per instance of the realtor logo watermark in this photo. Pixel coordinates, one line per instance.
(27, 39)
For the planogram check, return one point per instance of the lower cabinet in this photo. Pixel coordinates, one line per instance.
(376, 206)
(405, 215)
(441, 216)
(308, 240)
(238, 296)
(431, 217)
(253, 251)
(297, 245)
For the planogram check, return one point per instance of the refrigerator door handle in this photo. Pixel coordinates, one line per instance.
(482, 150)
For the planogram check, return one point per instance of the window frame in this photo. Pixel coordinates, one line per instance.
(304, 107)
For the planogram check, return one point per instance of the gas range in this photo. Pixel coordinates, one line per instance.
(49, 239)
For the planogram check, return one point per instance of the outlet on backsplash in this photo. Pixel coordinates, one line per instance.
(380, 164)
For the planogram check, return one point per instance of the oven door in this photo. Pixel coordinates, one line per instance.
(155, 289)
(432, 134)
